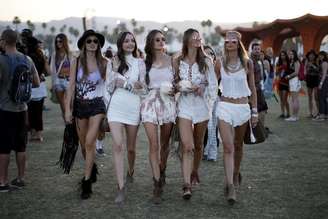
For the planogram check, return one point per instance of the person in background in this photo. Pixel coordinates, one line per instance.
(13, 129)
(312, 82)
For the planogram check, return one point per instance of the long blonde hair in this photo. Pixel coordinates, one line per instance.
(242, 54)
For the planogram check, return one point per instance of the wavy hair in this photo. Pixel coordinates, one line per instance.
(123, 67)
(149, 50)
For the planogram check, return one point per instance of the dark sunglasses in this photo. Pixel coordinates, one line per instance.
(95, 41)
(160, 39)
(231, 41)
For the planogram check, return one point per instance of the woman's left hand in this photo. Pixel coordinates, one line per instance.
(254, 120)
(137, 85)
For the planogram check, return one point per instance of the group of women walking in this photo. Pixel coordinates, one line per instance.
(159, 92)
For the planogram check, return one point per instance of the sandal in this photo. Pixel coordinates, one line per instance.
(186, 191)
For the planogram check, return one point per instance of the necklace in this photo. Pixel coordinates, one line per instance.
(234, 67)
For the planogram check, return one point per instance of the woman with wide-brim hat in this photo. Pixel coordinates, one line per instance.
(85, 93)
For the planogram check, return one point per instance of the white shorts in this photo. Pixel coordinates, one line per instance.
(294, 85)
(234, 114)
(193, 108)
(124, 108)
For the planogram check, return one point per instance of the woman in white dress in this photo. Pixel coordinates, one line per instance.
(158, 107)
(198, 91)
(125, 83)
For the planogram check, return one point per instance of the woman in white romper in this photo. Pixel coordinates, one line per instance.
(125, 83)
(233, 111)
(158, 108)
(198, 91)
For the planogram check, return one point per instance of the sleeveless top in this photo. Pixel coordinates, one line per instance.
(157, 76)
(90, 87)
(234, 85)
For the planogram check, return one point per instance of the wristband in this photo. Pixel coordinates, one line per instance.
(255, 115)
(254, 110)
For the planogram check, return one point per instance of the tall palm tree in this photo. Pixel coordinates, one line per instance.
(44, 26)
(16, 22)
(30, 25)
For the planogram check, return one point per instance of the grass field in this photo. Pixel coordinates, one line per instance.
(285, 177)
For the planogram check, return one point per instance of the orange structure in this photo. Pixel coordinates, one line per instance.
(311, 28)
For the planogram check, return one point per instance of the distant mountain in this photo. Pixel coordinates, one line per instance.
(98, 23)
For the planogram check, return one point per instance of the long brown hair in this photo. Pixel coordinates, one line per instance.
(200, 57)
(242, 54)
(99, 58)
(123, 67)
(64, 39)
(149, 50)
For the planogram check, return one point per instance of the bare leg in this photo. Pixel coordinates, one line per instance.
(310, 96)
(166, 130)
(61, 99)
(90, 143)
(21, 162)
(4, 164)
(239, 142)
(199, 133)
(186, 135)
(117, 135)
(131, 137)
(227, 135)
(152, 134)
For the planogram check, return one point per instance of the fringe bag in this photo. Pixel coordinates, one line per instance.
(69, 147)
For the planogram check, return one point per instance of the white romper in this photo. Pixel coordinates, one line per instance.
(197, 108)
(158, 107)
(124, 106)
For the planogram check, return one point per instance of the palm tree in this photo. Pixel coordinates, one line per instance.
(44, 26)
(53, 30)
(30, 25)
(16, 22)
(63, 28)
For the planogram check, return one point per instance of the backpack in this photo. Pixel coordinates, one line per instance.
(21, 85)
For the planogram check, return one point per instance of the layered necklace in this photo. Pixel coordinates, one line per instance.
(233, 67)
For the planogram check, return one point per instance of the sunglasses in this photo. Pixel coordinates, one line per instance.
(231, 41)
(59, 41)
(95, 41)
(160, 39)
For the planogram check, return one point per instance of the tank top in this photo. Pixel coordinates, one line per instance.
(90, 87)
(234, 85)
(157, 76)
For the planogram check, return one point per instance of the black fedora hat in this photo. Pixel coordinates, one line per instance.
(88, 33)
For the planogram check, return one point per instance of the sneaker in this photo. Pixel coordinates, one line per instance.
(17, 183)
(291, 119)
(318, 119)
(5, 188)
(100, 152)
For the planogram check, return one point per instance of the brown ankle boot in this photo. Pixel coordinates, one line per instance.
(157, 192)
(231, 196)
(120, 197)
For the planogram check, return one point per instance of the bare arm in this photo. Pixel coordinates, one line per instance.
(36, 78)
(295, 73)
(251, 84)
(217, 69)
(70, 92)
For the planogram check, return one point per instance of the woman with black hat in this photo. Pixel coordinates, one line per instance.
(85, 93)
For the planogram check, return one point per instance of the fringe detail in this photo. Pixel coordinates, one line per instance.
(69, 147)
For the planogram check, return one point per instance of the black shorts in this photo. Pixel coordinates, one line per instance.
(13, 131)
(84, 109)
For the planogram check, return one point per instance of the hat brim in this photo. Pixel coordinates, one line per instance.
(99, 36)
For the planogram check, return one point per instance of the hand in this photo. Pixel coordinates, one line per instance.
(137, 85)
(68, 117)
(119, 82)
(254, 120)
(198, 90)
(320, 86)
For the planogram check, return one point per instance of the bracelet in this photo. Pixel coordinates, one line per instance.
(125, 84)
(254, 110)
(255, 115)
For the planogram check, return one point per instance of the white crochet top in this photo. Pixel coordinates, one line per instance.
(234, 85)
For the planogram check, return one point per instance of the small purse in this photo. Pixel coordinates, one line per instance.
(254, 135)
